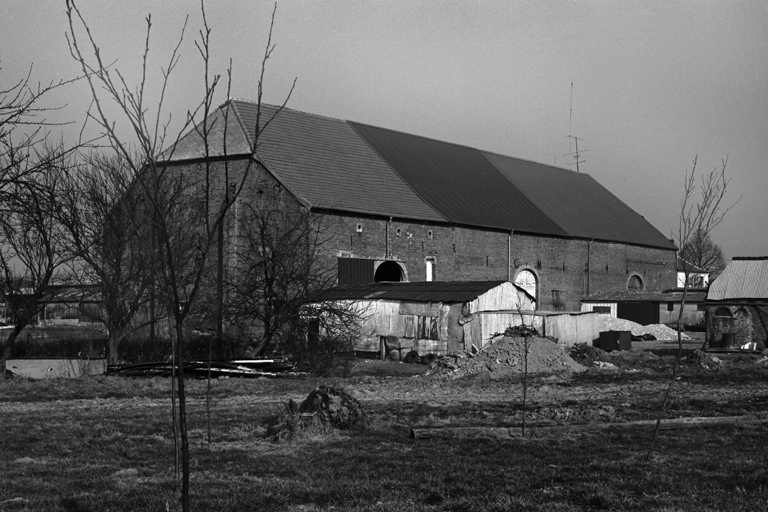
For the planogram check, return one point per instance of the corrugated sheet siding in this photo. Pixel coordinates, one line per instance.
(355, 271)
(434, 291)
(644, 313)
(741, 279)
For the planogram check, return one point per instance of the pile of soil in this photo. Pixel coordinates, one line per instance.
(506, 355)
(703, 360)
(590, 356)
(659, 331)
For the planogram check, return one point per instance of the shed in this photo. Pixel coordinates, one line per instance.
(737, 306)
(435, 317)
(647, 308)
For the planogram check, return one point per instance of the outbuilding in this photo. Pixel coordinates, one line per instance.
(434, 317)
(737, 306)
(443, 317)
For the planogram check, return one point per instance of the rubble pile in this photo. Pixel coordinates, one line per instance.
(590, 356)
(506, 355)
(659, 331)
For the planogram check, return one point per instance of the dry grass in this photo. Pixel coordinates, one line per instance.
(105, 444)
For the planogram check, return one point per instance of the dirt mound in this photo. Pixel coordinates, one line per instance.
(660, 331)
(594, 356)
(506, 355)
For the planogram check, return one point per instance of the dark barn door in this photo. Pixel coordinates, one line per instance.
(643, 313)
(355, 271)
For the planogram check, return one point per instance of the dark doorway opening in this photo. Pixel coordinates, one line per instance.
(388, 271)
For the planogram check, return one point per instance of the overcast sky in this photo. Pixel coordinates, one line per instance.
(655, 83)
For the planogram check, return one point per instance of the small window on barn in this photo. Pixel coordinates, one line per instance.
(602, 310)
(723, 312)
(430, 262)
(398, 232)
(430, 235)
(359, 228)
(670, 306)
(635, 283)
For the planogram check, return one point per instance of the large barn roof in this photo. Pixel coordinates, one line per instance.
(346, 166)
(743, 278)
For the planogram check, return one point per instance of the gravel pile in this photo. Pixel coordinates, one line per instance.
(506, 355)
(661, 332)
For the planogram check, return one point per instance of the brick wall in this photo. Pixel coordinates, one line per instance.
(747, 322)
(466, 254)
(572, 268)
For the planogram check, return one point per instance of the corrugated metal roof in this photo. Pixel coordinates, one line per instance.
(675, 295)
(432, 291)
(743, 278)
(578, 203)
(458, 182)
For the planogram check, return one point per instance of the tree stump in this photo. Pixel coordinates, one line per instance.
(334, 407)
(324, 408)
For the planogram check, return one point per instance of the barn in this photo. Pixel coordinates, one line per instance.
(402, 207)
(737, 306)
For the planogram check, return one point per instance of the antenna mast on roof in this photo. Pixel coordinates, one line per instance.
(574, 154)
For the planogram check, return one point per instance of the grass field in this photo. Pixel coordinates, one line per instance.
(106, 443)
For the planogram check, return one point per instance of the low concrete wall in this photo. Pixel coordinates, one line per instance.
(59, 368)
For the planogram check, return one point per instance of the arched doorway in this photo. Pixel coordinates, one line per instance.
(388, 271)
(526, 280)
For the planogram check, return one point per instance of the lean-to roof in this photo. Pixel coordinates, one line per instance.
(430, 291)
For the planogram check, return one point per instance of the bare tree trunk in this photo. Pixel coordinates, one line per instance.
(697, 219)
(182, 418)
(220, 292)
(6, 349)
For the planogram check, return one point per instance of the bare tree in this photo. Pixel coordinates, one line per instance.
(701, 251)
(32, 246)
(106, 226)
(279, 280)
(23, 126)
(702, 209)
(185, 209)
